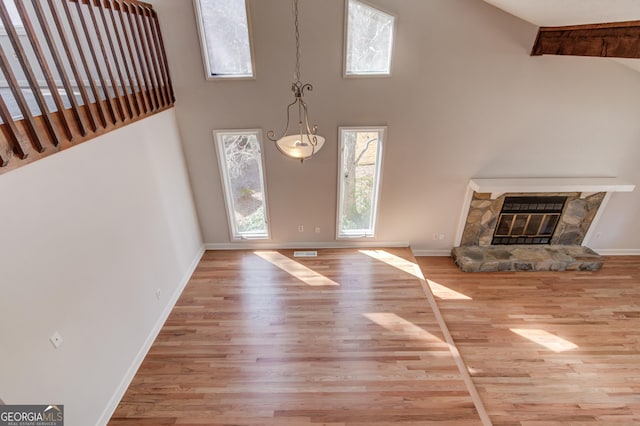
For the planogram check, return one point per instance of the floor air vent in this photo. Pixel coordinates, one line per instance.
(307, 253)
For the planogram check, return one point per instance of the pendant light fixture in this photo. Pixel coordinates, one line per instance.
(305, 143)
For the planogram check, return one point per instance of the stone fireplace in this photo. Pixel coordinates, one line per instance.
(531, 224)
(569, 219)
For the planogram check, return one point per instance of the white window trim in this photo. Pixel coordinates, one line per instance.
(205, 55)
(346, 43)
(234, 235)
(376, 193)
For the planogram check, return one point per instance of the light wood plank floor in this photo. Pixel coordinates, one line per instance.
(547, 348)
(259, 338)
(348, 339)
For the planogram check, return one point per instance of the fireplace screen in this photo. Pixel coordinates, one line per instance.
(528, 220)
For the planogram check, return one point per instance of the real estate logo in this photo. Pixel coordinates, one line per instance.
(32, 415)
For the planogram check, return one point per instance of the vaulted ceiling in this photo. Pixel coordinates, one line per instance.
(574, 12)
(552, 13)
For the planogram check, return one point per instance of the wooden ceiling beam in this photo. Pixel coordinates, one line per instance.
(611, 40)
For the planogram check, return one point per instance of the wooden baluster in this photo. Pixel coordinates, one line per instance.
(32, 131)
(151, 88)
(44, 66)
(15, 138)
(134, 93)
(85, 65)
(114, 84)
(155, 65)
(4, 160)
(114, 28)
(144, 88)
(96, 63)
(53, 50)
(31, 79)
(165, 64)
(74, 69)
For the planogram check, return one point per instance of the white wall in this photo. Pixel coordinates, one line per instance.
(88, 236)
(465, 100)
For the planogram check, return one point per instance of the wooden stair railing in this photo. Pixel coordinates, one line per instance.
(72, 70)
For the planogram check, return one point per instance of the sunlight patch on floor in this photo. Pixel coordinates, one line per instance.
(545, 339)
(296, 269)
(397, 324)
(395, 261)
(445, 293)
(439, 290)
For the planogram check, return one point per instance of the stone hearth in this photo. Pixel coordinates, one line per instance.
(526, 258)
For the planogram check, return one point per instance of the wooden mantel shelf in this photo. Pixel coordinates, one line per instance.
(500, 186)
(497, 187)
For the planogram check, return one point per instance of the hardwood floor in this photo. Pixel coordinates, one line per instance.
(259, 338)
(348, 338)
(547, 348)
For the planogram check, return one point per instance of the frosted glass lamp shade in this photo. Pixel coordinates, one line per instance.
(298, 147)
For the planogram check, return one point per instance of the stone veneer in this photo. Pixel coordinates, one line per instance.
(576, 218)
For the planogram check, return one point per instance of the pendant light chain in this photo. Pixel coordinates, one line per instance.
(295, 13)
(305, 142)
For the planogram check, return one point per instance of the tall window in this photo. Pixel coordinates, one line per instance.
(242, 171)
(225, 38)
(369, 43)
(359, 180)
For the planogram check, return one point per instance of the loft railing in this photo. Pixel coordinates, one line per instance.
(72, 70)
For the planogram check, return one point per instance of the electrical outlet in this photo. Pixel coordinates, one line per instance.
(158, 293)
(317, 229)
(300, 228)
(440, 237)
(56, 340)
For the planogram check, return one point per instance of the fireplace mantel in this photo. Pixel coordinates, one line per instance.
(586, 186)
(500, 186)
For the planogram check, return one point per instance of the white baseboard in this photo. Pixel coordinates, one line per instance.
(137, 361)
(255, 245)
(439, 252)
(617, 252)
(332, 244)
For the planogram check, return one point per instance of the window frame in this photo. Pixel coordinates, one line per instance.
(203, 46)
(382, 130)
(234, 234)
(345, 73)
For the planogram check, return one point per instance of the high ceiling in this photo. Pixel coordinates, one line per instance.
(551, 13)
